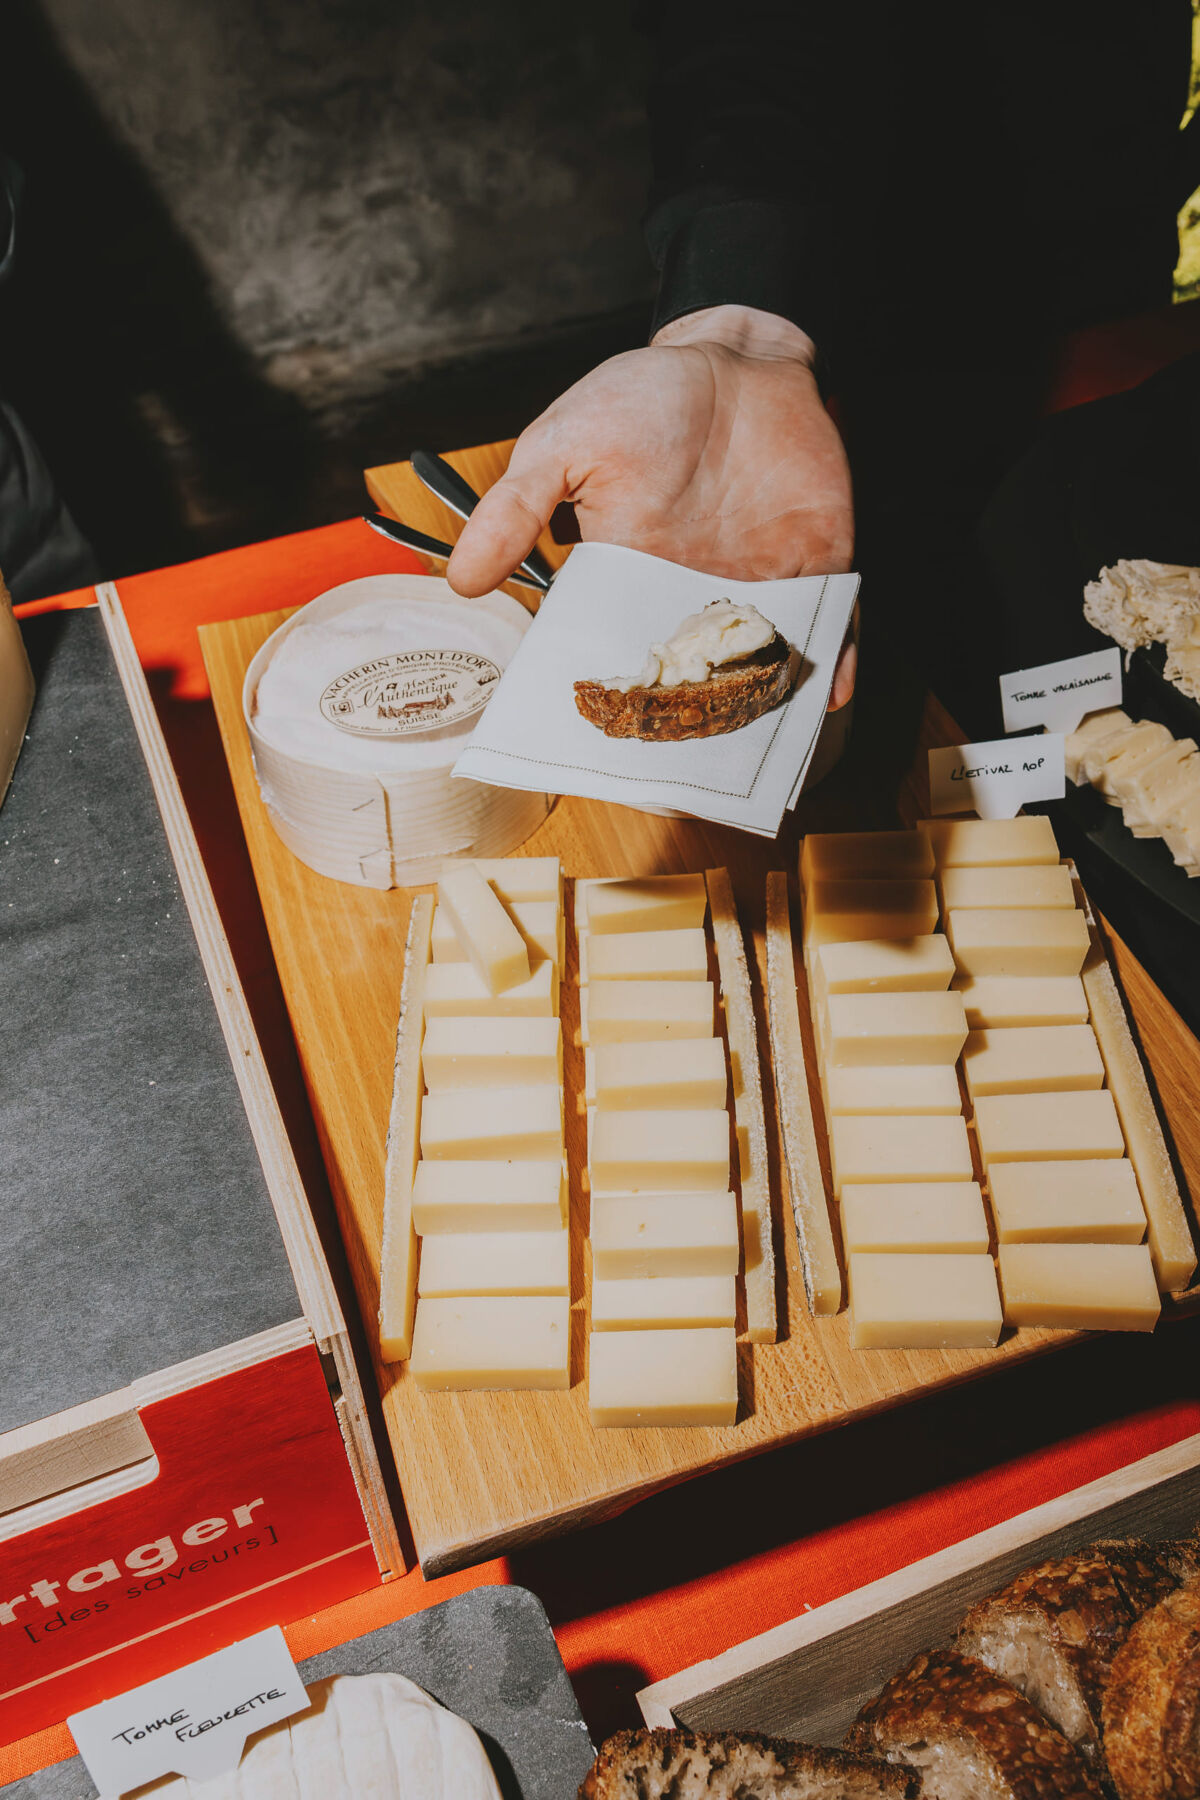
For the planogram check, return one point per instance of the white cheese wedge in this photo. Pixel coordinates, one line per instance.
(837, 911)
(911, 1216)
(495, 1262)
(455, 988)
(613, 1012)
(489, 1195)
(639, 1235)
(873, 1029)
(662, 1378)
(541, 923)
(1039, 940)
(461, 1052)
(959, 842)
(1041, 884)
(517, 878)
(645, 903)
(886, 965)
(518, 1124)
(398, 1252)
(923, 1302)
(666, 1303)
(673, 1074)
(1009, 1000)
(1031, 1059)
(493, 1341)
(681, 1151)
(1087, 1202)
(891, 1147)
(894, 1088)
(1089, 1287)
(837, 855)
(1037, 1127)
(680, 955)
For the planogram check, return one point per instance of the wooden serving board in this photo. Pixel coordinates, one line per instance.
(484, 1472)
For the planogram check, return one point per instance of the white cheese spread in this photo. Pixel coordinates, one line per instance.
(723, 632)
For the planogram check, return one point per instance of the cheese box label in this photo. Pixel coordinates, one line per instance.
(408, 691)
(1059, 694)
(194, 1721)
(996, 780)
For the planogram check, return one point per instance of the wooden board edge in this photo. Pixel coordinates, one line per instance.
(659, 1700)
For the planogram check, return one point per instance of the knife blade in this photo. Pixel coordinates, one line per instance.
(456, 492)
(412, 539)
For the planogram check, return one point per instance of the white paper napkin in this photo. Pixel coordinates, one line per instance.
(604, 611)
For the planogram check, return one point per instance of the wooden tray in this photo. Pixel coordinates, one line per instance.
(483, 1473)
(808, 1678)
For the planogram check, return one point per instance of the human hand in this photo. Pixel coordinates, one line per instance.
(711, 447)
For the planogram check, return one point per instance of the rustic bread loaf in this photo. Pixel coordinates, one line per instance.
(708, 1765)
(971, 1734)
(1055, 1629)
(1152, 1703)
(732, 696)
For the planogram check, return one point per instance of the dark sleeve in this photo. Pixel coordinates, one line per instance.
(10, 187)
(745, 124)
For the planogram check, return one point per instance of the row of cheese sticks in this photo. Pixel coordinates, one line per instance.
(1151, 775)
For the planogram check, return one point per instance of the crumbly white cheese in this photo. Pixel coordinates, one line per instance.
(1140, 602)
(721, 632)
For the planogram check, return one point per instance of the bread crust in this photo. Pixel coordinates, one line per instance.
(945, 1701)
(1152, 1703)
(643, 1765)
(731, 697)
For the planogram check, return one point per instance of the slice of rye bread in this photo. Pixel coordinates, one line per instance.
(1054, 1630)
(1152, 1703)
(732, 696)
(972, 1735)
(724, 1765)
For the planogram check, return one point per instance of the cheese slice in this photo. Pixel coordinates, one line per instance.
(907, 1217)
(517, 878)
(885, 965)
(680, 955)
(1032, 1059)
(667, 1303)
(645, 903)
(920, 1301)
(1040, 940)
(1089, 1287)
(639, 1235)
(873, 1029)
(542, 924)
(489, 1196)
(398, 1253)
(1168, 774)
(958, 842)
(1041, 884)
(894, 1088)
(675, 1073)
(614, 1012)
(1137, 747)
(680, 1151)
(887, 1147)
(461, 1052)
(517, 1124)
(662, 1377)
(1088, 736)
(836, 911)
(1009, 1000)
(1067, 1202)
(491, 1341)
(1037, 1127)
(495, 1262)
(835, 855)
(456, 988)
(493, 945)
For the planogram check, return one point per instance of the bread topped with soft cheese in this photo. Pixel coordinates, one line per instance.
(726, 1765)
(722, 668)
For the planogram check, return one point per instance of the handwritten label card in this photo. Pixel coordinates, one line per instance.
(1059, 694)
(193, 1722)
(995, 780)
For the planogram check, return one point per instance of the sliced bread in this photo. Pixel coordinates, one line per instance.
(1152, 1703)
(723, 1765)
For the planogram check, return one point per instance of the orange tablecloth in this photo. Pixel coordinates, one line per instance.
(697, 1569)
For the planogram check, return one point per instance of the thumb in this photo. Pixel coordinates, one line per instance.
(504, 527)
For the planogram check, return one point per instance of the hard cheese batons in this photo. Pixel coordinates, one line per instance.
(456, 988)
(612, 1012)
(1010, 1000)
(916, 1301)
(639, 1378)
(927, 1147)
(837, 911)
(945, 1217)
(520, 878)
(493, 945)
(648, 903)
(1094, 1287)
(959, 843)
(495, 1262)
(838, 855)
(1018, 941)
(870, 1029)
(1039, 1127)
(652, 1152)
(1081, 1202)
(893, 1088)
(1032, 1059)
(489, 1196)
(885, 965)
(492, 1341)
(540, 922)
(664, 1303)
(1023, 886)
(687, 1072)
(523, 1124)
(463, 1052)
(640, 1235)
(679, 955)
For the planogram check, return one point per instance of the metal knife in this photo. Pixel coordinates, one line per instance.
(412, 539)
(434, 473)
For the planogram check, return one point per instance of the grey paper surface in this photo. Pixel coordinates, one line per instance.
(489, 1655)
(138, 1229)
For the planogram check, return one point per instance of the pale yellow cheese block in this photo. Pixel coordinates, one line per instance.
(869, 1030)
(675, 1073)
(894, 1088)
(612, 1012)
(494, 947)
(455, 988)
(517, 878)
(891, 1147)
(398, 1254)
(923, 1301)
(1037, 884)
(1042, 940)
(638, 1378)
(1010, 1000)
(664, 1303)
(911, 1216)
(491, 1341)
(964, 842)
(1094, 1202)
(1138, 747)
(836, 911)
(836, 855)
(461, 1052)
(519, 1124)
(640, 1235)
(542, 924)
(495, 1262)
(1031, 1059)
(645, 903)
(1151, 796)
(1045, 1127)
(885, 965)
(489, 1195)
(1091, 1287)
(1088, 736)
(680, 1151)
(680, 955)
